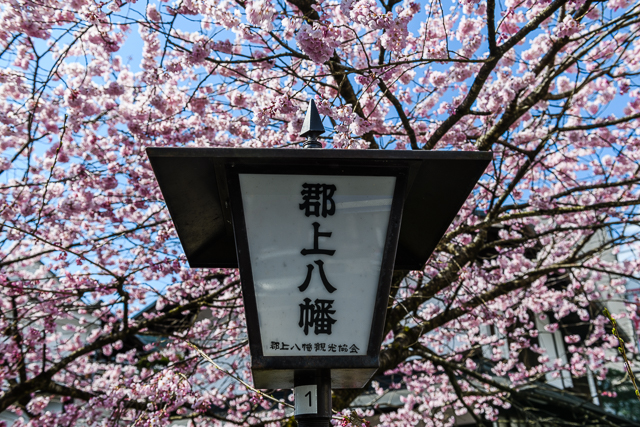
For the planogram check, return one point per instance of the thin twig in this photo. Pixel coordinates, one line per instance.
(622, 351)
(235, 377)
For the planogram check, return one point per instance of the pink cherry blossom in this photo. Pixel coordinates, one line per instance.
(104, 323)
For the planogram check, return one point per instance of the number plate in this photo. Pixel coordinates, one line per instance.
(306, 399)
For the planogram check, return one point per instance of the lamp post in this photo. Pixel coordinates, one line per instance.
(316, 235)
(312, 389)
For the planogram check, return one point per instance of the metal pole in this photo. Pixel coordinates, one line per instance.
(312, 391)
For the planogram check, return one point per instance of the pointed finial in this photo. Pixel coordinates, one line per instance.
(312, 127)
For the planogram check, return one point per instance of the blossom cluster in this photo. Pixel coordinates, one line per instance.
(105, 324)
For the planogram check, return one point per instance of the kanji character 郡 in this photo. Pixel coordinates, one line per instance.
(317, 199)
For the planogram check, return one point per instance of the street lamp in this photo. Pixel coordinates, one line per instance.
(317, 234)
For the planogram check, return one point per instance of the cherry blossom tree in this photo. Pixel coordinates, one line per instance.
(549, 86)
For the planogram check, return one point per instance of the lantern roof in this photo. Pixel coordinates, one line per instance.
(193, 182)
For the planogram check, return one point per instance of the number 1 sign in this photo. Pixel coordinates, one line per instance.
(306, 399)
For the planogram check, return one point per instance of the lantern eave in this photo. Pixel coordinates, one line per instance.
(193, 183)
(341, 378)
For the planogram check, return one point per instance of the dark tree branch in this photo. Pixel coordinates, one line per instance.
(400, 110)
(491, 27)
(39, 381)
(456, 387)
(338, 71)
(478, 84)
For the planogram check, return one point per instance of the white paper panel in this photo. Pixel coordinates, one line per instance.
(278, 230)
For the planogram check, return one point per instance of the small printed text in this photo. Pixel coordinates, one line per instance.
(318, 346)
